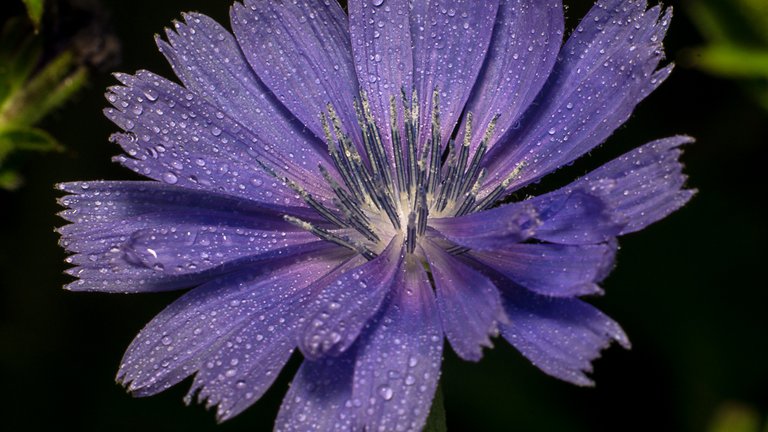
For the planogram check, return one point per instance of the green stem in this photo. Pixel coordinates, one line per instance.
(436, 419)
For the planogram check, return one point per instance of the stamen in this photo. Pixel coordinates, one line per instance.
(423, 182)
(471, 196)
(340, 163)
(410, 233)
(435, 155)
(376, 151)
(344, 198)
(312, 202)
(397, 145)
(450, 173)
(499, 190)
(331, 237)
(412, 129)
(477, 158)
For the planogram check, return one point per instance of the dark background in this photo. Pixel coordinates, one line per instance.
(690, 291)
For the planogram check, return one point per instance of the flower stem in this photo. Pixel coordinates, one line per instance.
(436, 419)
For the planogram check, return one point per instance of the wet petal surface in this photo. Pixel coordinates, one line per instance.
(301, 51)
(551, 269)
(607, 66)
(560, 336)
(398, 367)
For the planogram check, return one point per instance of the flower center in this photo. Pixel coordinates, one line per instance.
(380, 194)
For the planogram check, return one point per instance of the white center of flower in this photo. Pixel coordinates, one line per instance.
(384, 194)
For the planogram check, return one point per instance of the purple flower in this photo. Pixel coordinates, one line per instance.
(343, 185)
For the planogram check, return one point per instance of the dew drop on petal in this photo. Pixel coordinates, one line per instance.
(170, 178)
(410, 380)
(386, 392)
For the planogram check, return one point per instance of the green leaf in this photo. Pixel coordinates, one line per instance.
(47, 90)
(26, 139)
(436, 419)
(19, 54)
(735, 417)
(756, 12)
(731, 61)
(733, 22)
(35, 11)
(9, 180)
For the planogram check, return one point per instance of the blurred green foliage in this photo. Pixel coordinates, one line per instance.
(736, 417)
(35, 11)
(28, 92)
(737, 41)
(436, 420)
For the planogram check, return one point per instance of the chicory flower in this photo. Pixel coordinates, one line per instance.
(343, 184)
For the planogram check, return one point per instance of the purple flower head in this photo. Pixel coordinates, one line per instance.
(342, 185)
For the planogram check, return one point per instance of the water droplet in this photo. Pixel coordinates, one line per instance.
(377, 3)
(151, 95)
(386, 392)
(170, 178)
(166, 340)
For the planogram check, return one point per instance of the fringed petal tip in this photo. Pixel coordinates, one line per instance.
(562, 337)
(469, 304)
(644, 185)
(605, 69)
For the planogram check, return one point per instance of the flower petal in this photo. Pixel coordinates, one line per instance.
(301, 51)
(566, 216)
(551, 269)
(381, 43)
(525, 43)
(189, 248)
(119, 227)
(450, 39)
(210, 63)
(184, 337)
(179, 138)
(576, 216)
(490, 229)
(235, 376)
(560, 336)
(644, 185)
(606, 68)
(398, 366)
(345, 306)
(469, 303)
(318, 399)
